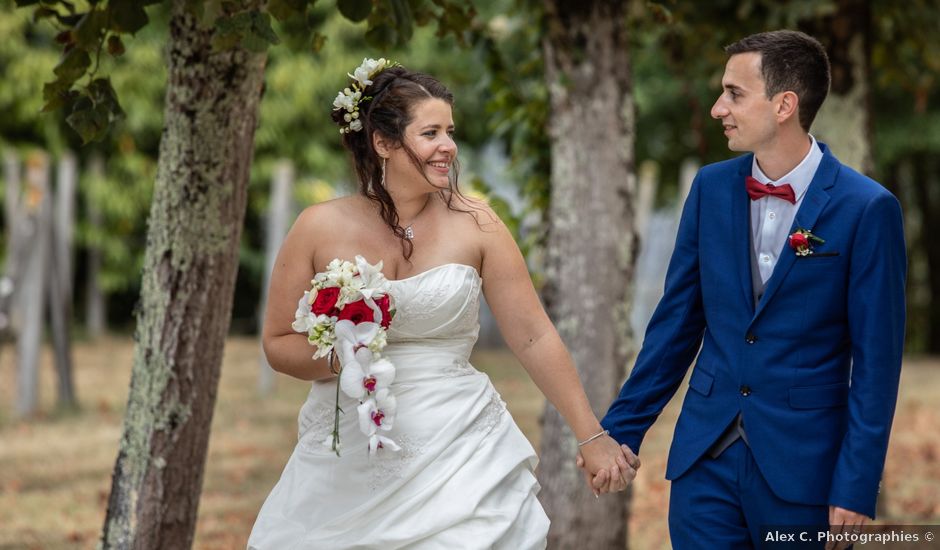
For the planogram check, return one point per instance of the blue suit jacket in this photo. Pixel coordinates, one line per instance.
(813, 368)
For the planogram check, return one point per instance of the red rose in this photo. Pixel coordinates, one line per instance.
(357, 312)
(798, 241)
(384, 306)
(325, 302)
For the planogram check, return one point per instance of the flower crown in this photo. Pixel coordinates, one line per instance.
(350, 98)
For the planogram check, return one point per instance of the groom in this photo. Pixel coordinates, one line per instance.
(787, 281)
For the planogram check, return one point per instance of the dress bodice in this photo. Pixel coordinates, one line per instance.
(442, 303)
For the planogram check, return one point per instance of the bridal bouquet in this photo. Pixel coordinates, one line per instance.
(346, 315)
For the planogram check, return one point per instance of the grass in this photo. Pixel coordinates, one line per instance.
(55, 469)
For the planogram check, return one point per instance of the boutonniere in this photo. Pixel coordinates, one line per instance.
(801, 241)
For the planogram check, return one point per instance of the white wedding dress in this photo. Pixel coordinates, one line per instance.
(463, 478)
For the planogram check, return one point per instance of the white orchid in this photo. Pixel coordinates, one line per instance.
(377, 412)
(377, 441)
(351, 337)
(366, 374)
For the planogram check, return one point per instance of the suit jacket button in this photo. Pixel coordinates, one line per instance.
(745, 390)
(750, 338)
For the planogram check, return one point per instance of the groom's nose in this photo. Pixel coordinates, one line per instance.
(719, 109)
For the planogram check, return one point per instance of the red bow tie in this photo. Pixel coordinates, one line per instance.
(756, 190)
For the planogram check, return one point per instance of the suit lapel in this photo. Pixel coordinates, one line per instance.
(812, 206)
(741, 221)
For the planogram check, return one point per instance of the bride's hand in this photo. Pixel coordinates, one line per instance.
(608, 467)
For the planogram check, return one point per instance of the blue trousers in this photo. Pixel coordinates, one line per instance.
(725, 502)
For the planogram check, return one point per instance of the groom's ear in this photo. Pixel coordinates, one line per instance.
(788, 104)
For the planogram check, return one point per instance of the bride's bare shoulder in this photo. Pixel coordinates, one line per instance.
(324, 215)
(480, 212)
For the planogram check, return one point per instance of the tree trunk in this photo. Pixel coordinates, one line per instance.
(95, 305)
(30, 244)
(188, 280)
(924, 186)
(844, 121)
(276, 226)
(592, 246)
(59, 278)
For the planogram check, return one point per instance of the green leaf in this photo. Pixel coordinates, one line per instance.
(354, 10)
(127, 16)
(261, 26)
(88, 122)
(404, 21)
(381, 37)
(89, 28)
(57, 94)
(43, 13)
(254, 42)
(73, 65)
(285, 9)
(238, 23)
(24, 3)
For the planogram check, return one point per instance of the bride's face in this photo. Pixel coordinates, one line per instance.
(430, 136)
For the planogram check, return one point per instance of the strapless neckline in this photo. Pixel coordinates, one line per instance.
(437, 268)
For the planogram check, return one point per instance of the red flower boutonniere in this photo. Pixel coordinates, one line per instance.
(801, 241)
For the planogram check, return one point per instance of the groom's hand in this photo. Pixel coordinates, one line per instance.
(845, 522)
(616, 477)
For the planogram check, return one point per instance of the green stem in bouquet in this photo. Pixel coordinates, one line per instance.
(338, 409)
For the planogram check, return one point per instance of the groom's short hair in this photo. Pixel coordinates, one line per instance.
(790, 61)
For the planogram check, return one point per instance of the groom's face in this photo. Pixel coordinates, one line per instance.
(746, 114)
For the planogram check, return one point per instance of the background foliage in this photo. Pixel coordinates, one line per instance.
(490, 55)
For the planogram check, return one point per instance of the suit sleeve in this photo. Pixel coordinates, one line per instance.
(672, 339)
(876, 312)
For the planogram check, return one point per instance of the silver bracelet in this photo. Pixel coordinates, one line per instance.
(593, 437)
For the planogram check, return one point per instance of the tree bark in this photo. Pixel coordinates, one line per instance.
(592, 245)
(189, 273)
(844, 121)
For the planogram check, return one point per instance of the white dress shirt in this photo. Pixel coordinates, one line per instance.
(771, 217)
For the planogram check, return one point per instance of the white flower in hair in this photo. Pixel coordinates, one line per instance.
(369, 68)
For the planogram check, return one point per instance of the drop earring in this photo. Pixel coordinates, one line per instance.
(384, 161)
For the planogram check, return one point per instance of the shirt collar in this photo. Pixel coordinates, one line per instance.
(800, 177)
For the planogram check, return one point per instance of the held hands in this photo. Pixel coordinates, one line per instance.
(846, 522)
(607, 466)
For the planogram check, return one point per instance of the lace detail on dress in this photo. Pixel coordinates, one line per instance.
(490, 416)
(471, 312)
(460, 367)
(388, 466)
(314, 425)
(423, 305)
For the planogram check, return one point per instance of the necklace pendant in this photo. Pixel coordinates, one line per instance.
(409, 233)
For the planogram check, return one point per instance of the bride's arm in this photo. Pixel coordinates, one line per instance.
(533, 339)
(287, 351)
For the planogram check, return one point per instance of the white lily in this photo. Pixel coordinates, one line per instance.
(374, 285)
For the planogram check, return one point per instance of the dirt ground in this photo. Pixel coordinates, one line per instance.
(55, 469)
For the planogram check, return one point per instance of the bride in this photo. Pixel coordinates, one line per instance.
(462, 473)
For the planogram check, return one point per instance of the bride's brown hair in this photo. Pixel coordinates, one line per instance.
(386, 107)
